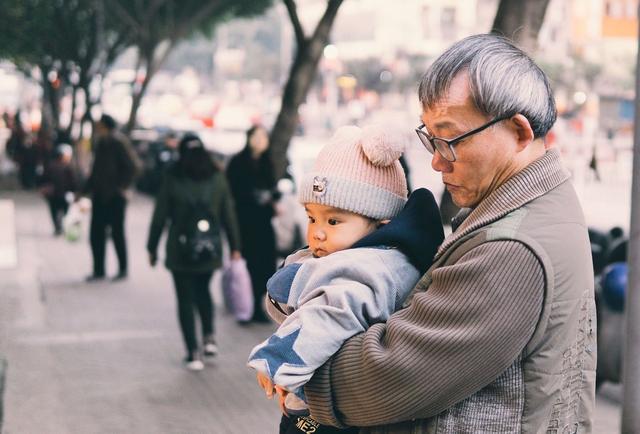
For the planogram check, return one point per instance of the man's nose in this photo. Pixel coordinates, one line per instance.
(439, 163)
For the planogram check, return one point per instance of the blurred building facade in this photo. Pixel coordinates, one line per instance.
(589, 48)
(375, 28)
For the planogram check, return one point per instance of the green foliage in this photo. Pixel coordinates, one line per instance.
(155, 27)
(38, 32)
(47, 31)
(151, 22)
(79, 39)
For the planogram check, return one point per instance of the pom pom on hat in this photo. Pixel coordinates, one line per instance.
(381, 146)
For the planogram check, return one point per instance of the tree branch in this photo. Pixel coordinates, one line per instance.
(326, 22)
(125, 16)
(197, 17)
(158, 58)
(295, 21)
(520, 21)
(153, 8)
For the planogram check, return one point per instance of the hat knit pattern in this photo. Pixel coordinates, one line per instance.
(359, 171)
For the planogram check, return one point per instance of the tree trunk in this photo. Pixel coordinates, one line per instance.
(50, 101)
(84, 84)
(153, 65)
(300, 78)
(520, 21)
(86, 116)
(47, 111)
(136, 101)
(74, 95)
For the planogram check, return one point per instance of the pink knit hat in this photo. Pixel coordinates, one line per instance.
(359, 171)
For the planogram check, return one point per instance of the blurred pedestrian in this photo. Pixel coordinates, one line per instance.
(45, 148)
(289, 223)
(251, 178)
(59, 185)
(593, 163)
(16, 139)
(21, 149)
(6, 120)
(27, 159)
(158, 156)
(165, 153)
(115, 167)
(196, 200)
(499, 335)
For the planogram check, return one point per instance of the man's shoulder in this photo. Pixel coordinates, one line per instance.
(119, 138)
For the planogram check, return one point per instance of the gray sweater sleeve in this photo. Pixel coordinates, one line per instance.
(472, 323)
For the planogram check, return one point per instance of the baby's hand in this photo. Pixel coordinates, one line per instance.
(282, 395)
(265, 383)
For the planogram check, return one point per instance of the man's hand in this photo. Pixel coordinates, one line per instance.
(84, 203)
(126, 194)
(266, 384)
(153, 259)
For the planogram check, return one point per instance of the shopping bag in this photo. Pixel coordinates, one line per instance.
(73, 221)
(236, 289)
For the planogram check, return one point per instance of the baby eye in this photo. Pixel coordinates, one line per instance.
(311, 219)
(333, 222)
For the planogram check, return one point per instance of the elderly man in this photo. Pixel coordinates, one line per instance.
(499, 335)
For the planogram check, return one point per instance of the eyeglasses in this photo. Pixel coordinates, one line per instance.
(445, 146)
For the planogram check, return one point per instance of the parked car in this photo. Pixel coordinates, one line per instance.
(155, 156)
(609, 253)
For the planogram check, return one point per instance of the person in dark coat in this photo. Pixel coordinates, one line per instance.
(115, 167)
(20, 147)
(194, 179)
(58, 182)
(250, 175)
(15, 142)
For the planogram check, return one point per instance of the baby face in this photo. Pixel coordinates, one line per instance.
(332, 229)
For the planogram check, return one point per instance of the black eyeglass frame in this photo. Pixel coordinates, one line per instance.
(428, 141)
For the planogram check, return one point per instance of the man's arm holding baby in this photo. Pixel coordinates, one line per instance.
(343, 295)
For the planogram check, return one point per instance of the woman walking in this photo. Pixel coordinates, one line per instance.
(195, 199)
(252, 182)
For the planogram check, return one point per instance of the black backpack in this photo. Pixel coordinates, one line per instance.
(199, 241)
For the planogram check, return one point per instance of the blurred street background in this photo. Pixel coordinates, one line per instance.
(107, 357)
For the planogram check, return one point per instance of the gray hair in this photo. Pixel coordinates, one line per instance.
(503, 80)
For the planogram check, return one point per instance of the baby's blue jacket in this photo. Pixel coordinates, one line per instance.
(327, 301)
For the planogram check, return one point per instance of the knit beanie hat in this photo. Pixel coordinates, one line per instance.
(359, 171)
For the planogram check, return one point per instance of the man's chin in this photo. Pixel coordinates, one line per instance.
(461, 202)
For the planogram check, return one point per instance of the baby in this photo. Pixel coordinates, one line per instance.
(367, 248)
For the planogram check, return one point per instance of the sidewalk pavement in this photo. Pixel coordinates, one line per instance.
(106, 357)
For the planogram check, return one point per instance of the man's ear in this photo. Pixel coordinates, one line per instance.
(523, 129)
